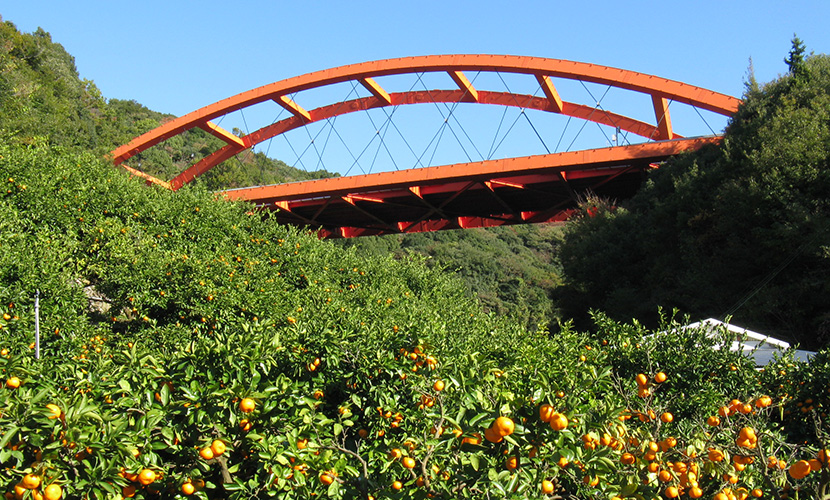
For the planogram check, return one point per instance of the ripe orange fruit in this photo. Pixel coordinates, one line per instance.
(302, 444)
(438, 386)
(53, 492)
(247, 405)
(748, 433)
(188, 488)
(396, 485)
(558, 422)
(547, 487)
(757, 493)
(511, 463)
(54, 411)
(642, 380)
(627, 458)
(326, 478)
(146, 476)
(800, 469)
(408, 462)
(590, 480)
(672, 492)
(713, 421)
(128, 491)
(715, 455)
(475, 439)
(218, 448)
(666, 417)
(660, 377)
(545, 412)
(206, 453)
(13, 383)
(695, 492)
(31, 481)
(491, 435)
(763, 402)
(396, 453)
(503, 426)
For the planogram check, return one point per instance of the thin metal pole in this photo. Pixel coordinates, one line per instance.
(37, 324)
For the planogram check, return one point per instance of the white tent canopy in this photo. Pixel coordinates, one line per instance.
(760, 347)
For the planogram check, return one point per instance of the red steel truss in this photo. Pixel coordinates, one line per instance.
(509, 191)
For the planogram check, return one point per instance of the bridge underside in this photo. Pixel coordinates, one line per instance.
(467, 204)
(543, 188)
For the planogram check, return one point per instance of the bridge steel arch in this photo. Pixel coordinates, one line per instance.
(515, 190)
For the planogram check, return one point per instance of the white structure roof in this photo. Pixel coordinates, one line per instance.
(761, 347)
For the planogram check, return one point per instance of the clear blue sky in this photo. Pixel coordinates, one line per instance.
(176, 56)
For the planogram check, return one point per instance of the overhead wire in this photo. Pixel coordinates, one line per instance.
(770, 276)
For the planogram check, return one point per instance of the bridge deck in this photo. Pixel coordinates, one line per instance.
(541, 188)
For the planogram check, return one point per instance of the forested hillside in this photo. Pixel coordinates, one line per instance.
(512, 270)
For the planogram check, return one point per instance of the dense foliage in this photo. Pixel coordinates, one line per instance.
(511, 270)
(192, 347)
(739, 229)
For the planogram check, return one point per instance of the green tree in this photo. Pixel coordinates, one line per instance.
(741, 228)
(795, 59)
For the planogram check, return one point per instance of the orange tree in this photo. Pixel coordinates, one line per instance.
(193, 348)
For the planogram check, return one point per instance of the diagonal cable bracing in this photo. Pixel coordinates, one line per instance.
(704, 120)
(518, 115)
(445, 123)
(270, 139)
(663, 117)
(331, 121)
(597, 107)
(601, 108)
(389, 122)
(522, 111)
(496, 135)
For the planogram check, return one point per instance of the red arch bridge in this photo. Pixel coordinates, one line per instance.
(477, 192)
